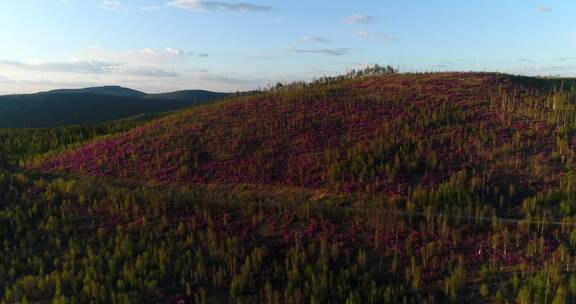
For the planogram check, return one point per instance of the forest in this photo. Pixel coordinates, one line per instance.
(371, 187)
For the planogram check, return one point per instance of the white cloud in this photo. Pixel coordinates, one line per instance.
(381, 36)
(175, 52)
(316, 39)
(329, 52)
(169, 57)
(88, 67)
(93, 48)
(5, 79)
(149, 8)
(148, 71)
(170, 52)
(125, 68)
(149, 51)
(359, 19)
(543, 9)
(199, 55)
(111, 5)
(206, 5)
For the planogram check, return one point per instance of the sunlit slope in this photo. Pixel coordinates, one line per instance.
(498, 135)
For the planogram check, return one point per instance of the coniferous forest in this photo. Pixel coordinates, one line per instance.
(370, 187)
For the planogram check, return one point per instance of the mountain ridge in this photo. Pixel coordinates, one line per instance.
(115, 90)
(112, 90)
(92, 105)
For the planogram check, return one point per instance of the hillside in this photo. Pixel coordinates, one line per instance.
(88, 106)
(21, 144)
(192, 95)
(494, 136)
(402, 188)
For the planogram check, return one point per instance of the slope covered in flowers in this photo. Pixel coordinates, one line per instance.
(428, 188)
(404, 134)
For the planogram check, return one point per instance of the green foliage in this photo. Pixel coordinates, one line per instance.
(434, 205)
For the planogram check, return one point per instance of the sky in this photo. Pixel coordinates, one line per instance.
(229, 45)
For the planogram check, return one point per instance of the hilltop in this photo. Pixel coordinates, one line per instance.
(104, 90)
(490, 136)
(194, 95)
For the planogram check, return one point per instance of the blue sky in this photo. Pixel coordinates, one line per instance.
(228, 45)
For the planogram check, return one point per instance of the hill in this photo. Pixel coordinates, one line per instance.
(492, 136)
(192, 95)
(188, 95)
(91, 105)
(105, 90)
(403, 188)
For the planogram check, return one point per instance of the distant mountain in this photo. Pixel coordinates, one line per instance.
(198, 95)
(190, 95)
(105, 90)
(91, 105)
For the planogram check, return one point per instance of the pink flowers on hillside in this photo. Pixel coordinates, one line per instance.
(379, 134)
